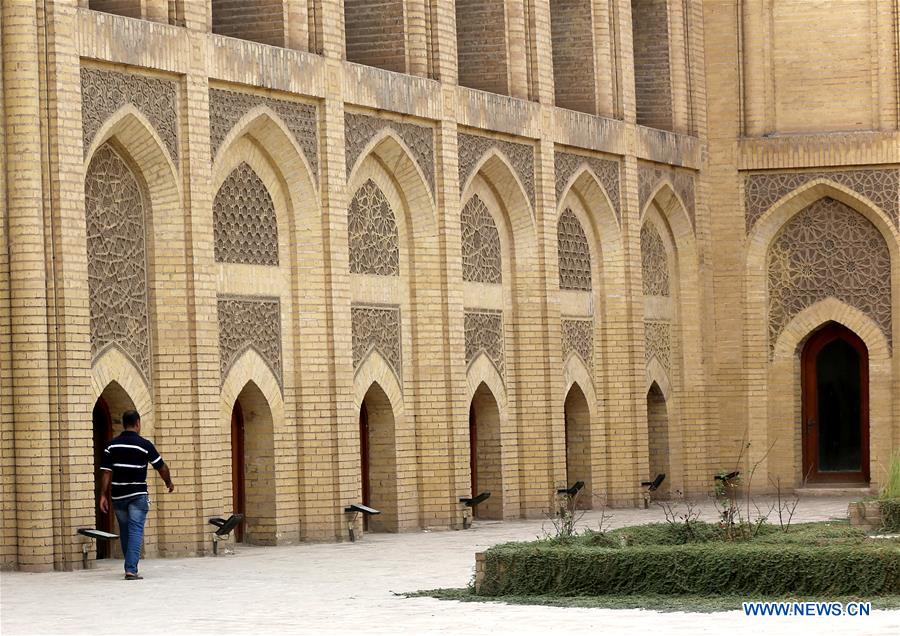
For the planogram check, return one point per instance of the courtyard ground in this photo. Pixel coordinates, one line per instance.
(352, 588)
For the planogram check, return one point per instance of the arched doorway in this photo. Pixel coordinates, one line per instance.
(103, 428)
(378, 460)
(107, 423)
(658, 438)
(835, 381)
(485, 462)
(253, 466)
(578, 443)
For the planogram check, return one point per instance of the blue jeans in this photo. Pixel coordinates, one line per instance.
(131, 514)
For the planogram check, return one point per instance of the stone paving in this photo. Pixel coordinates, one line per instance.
(343, 588)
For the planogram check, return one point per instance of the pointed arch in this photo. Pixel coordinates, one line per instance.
(772, 219)
(399, 160)
(776, 371)
(579, 443)
(657, 375)
(268, 130)
(576, 372)
(113, 365)
(482, 371)
(374, 369)
(496, 170)
(250, 367)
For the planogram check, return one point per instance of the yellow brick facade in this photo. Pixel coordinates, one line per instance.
(210, 203)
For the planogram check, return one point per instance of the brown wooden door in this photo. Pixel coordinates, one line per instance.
(835, 380)
(102, 434)
(364, 459)
(238, 493)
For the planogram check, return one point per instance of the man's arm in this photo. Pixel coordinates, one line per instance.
(105, 481)
(167, 477)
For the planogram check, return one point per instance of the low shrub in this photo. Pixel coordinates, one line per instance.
(752, 568)
(890, 515)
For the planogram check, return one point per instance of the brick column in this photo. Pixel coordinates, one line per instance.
(297, 32)
(70, 339)
(28, 280)
(416, 38)
(516, 47)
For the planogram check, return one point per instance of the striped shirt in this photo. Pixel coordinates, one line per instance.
(126, 457)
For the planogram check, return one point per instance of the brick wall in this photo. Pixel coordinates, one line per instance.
(573, 54)
(481, 45)
(256, 20)
(375, 34)
(128, 8)
(652, 76)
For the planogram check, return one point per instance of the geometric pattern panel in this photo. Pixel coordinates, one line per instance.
(480, 244)
(117, 258)
(484, 333)
(578, 336)
(762, 191)
(227, 107)
(828, 250)
(372, 233)
(657, 343)
(376, 328)
(104, 92)
(606, 170)
(247, 322)
(654, 262)
(574, 255)
(472, 148)
(360, 129)
(244, 222)
(650, 176)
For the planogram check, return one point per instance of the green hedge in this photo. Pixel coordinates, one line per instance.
(710, 568)
(890, 515)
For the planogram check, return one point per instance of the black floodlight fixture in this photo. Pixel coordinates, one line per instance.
(225, 526)
(656, 483)
(471, 502)
(571, 490)
(729, 477)
(366, 510)
(99, 535)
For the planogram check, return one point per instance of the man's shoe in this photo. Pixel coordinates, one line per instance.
(132, 576)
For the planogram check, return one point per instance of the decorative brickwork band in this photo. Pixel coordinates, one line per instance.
(117, 258)
(578, 336)
(654, 262)
(105, 92)
(521, 157)
(657, 343)
(244, 223)
(377, 328)
(372, 233)
(360, 129)
(250, 322)
(828, 250)
(762, 191)
(480, 244)
(484, 333)
(574, 254)
(606, 170)
(227, 107)
(651, 175)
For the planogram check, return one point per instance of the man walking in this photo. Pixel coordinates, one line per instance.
(124, 468)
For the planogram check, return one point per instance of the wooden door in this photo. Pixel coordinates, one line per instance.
(364, 459)
(102, 435)
(835, 389)
(238, 483)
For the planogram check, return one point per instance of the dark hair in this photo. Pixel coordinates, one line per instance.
(130, 418)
